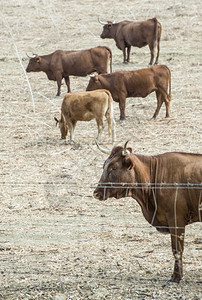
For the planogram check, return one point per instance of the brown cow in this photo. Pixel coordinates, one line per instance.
(166, 186)
(85, 106)
(61, 64)
(139, 83)
(138, 34)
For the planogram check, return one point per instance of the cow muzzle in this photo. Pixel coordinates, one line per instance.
(99, 195)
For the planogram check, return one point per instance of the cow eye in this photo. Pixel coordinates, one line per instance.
(111, 169)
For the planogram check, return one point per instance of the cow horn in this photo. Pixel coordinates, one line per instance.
(31, 56)
(125, 151)
(103, 23)
(57, 121)
(104, 150)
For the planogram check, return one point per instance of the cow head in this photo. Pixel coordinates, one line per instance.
(117, 173)
(94, 83)
(63, 126)
(34, 63)
(108, 29)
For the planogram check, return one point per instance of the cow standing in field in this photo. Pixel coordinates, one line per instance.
(139, 83)
(61, 64)
(85, 106)
(167, 187)
(138, 34)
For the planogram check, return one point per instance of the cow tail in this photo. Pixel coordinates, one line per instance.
(111, 121)
(168, 92)
(155, 32)
(110, 52)
(169, 88)
(109, 112)
(110, 61)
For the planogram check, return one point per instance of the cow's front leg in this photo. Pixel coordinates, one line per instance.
(177, 241)
(122, 105)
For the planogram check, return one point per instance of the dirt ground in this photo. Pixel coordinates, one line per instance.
(56, 240)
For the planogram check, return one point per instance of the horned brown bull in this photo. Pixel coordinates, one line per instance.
(166, 186)
(86, 106)
(138, 34)
(138, 83)
(61, 64)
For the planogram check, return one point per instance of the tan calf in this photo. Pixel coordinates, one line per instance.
(86, 106)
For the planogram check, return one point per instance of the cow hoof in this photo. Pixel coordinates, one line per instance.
(169, 282)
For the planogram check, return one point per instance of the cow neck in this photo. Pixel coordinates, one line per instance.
(145, 170)
(115, 31)
(45, 66)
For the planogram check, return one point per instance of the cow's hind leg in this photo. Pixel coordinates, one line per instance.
(67, 81)
(59, 82)
(111, 126)
(71, 125)
(100, 126)
(128, 53)
(152, 50)
(166, 99)
(159, 104)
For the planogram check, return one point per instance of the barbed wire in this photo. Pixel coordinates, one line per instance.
(140, 185)
(120, 185)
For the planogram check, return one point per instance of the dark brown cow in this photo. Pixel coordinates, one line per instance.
(86, 106)
(138, 34)
(139, 83)
(61, 64)
(166, 186)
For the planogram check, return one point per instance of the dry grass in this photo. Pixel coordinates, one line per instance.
(56, 241)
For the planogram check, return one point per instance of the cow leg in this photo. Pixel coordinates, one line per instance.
(122, 105)
(177, 241)
(59, 80)
(124, 55)
(67, 81)
(71, 126)
(113, 130)
(166, 99)
(111, 126)
(159, 104)
(151, 47)
(128, 53)
(100, 126)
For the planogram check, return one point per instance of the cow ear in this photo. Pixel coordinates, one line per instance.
(128, 162)
(37, 58)
(96, 78)
(130, 149)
